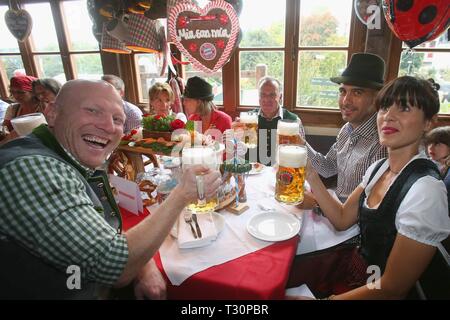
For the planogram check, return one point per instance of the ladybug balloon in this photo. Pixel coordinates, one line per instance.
(417, 21)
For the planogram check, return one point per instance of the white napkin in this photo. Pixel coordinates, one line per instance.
(302, 290)
(186, 238)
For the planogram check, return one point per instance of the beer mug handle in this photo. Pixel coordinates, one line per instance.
(200, 189)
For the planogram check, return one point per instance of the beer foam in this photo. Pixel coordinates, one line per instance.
(288, 128)
(23, 125)
(292, 156)
(196, 155)
(248, 118)
(26, 119)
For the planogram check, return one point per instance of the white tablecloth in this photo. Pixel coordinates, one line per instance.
(233, 242)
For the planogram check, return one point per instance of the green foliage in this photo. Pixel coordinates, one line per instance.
(411, 63)
(236, 168)
(158, 147)
(89, 64)
(320, 29)
(190, 125)
(157, 123)
(12, 64)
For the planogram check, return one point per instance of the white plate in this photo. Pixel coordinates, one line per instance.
(273, 226)
(219, 222)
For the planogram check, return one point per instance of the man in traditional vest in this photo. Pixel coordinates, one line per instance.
(58, 215)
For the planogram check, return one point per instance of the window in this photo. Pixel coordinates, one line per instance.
(430, 60)
(61, 44)
(149, 72)
(10, 59)
(324, 34)
(262, 48)
(302, 43)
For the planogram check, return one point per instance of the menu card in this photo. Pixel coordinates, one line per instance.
(129, 194)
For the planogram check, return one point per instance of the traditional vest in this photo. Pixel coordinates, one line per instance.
(377, 226)
(26, 276)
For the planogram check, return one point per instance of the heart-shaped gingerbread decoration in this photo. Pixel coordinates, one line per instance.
(19, 23)
(207, 36)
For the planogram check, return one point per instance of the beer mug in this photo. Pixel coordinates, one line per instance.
(249, 121)
(290, 174)
(23, 125)
(288, 132)
(205, 156)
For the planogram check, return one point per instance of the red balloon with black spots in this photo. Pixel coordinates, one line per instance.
(417, 21)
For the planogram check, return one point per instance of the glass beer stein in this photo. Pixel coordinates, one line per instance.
(249, 121)
(288, 132)
(290, 174)
(205, 156)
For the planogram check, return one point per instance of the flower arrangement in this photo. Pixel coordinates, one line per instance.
(161, 123)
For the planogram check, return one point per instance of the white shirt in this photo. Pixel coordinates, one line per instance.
(3, 107)
(423, 213)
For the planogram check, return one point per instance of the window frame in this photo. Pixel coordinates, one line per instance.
(381, 42)
(28, 54)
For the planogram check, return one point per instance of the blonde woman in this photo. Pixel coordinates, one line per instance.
(161, 97)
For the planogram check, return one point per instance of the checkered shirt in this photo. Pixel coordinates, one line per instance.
(350, 156)
(45, 208)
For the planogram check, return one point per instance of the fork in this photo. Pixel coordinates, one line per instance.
(188, 219)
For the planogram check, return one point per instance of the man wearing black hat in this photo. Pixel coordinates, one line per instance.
(357, 144)
(198, 105)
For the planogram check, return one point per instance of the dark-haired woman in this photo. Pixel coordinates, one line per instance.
(45, 90)
(401, 204)
(438, 146)
(198, 105)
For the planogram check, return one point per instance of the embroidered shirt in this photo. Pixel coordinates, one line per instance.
(350, 156)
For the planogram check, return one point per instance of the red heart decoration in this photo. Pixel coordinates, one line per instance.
(207, 36)
(19, 23)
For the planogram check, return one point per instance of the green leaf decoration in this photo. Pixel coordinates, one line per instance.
(236, 168)
(190, 125)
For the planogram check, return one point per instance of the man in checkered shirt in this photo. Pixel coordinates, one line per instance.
(58, 215)
(133, 113)
(357, 144)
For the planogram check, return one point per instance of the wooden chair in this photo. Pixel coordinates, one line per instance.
(434, 284)
(128, 164)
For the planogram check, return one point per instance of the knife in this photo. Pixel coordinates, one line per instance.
(199, 232)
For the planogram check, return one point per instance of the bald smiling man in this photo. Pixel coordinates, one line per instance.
(53, 223)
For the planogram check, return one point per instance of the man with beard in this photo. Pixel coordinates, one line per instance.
(357, 145)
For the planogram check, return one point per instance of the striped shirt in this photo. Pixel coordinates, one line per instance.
(350, 156)
(133, 117)
(46, 209)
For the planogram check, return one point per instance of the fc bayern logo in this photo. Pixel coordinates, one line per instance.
(208, 51)
(285, 177)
